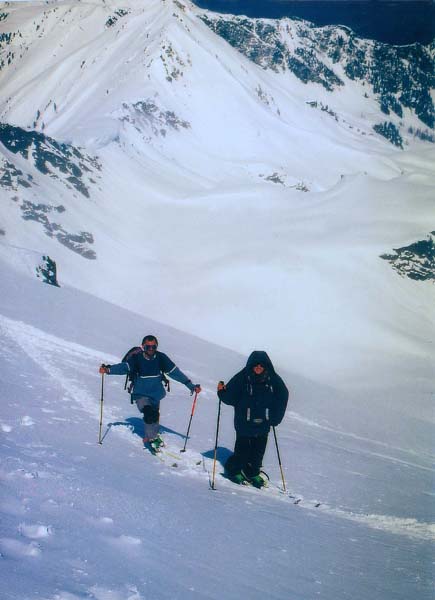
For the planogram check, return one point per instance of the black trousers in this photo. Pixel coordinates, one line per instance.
(248, 455)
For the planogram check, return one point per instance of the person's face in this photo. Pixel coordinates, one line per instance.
(150, 348)
(258, 369)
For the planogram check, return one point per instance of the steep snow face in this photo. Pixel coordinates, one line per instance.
(167, 172)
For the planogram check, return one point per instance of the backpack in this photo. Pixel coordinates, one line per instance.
(130, 377)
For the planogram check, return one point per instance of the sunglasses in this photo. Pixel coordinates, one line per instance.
(151, 346)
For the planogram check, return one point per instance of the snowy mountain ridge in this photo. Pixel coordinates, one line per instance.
(400, 77)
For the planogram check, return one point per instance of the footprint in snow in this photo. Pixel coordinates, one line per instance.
(5, 428)
(36, 531)
(12, 506)
(65, 596)
(101, 521)
(27, 421)
(11, 548)
(129, 592)
(21, 473)
(125, 542)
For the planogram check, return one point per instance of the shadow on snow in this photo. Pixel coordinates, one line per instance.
(136, 426)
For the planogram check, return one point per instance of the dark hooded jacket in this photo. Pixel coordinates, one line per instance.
(259, 401)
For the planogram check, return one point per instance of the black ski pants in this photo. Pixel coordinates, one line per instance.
(248, 455)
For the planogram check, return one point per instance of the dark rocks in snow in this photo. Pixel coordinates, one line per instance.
(424, 135)
(145, 114)
(11, 177)
(47, 271)
(389, 131)
(6, 56)
(60, 161)
(263, 43)
(416, 261)
(38, 212)
(77, 242)
(113, 19)
(275, 178)
(323, 108)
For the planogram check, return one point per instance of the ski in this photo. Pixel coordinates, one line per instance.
(248, 483)
(170, 456)
(275, 489)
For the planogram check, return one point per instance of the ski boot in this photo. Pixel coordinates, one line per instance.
(239, 478)
(156, 444)
(258, 481)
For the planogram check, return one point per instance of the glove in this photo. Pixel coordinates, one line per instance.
(221, 386)
(193, 387)
(104, 369)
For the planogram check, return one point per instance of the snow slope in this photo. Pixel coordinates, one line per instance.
(80, 520)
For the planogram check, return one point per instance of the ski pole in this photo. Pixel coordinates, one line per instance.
(100, 441)
(215, 446)
(279, 460)
(190, 421)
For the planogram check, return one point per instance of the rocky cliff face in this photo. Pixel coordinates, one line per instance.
(399, 77)
(416, 261)
(29, 157)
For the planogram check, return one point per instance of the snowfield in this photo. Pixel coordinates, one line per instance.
(184, 191)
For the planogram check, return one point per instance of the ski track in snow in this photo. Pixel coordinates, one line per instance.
(195, 465)
(299, 418)
(60, 358)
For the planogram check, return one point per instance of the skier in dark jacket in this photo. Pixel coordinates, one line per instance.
(146, 367)
(259, 397)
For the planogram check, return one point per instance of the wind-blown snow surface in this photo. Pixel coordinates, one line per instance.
(80, 520)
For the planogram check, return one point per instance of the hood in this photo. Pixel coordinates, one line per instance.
(259, 356)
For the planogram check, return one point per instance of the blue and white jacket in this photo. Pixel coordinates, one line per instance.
(146, 374)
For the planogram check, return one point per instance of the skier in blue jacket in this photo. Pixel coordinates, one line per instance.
(259, 397)
(146, 367)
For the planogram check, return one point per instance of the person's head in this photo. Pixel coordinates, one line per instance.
(259, 363)
(149, 344)
(258, 368)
